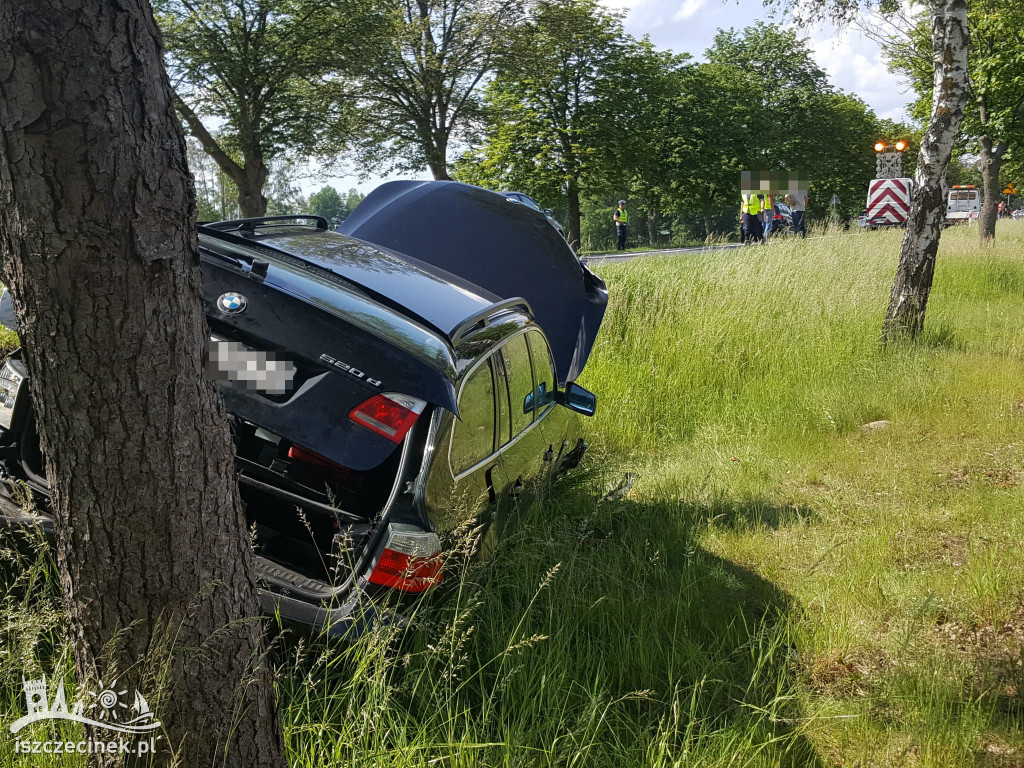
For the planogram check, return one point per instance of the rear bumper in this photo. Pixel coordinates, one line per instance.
(284, 593)
(350, 617)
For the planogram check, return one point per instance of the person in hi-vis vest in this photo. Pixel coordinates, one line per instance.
(753, 228)
(621, 224)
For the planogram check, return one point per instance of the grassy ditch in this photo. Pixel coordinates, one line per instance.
(744, 572)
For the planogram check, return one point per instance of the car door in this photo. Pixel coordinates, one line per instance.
(459, 484)
(533, 444)
(553, 422)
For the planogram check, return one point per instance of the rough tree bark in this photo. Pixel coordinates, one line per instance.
(97, 213)
(913, 281)
(991, 162)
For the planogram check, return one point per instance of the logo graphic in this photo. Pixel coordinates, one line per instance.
(232, 303)
(106, 709)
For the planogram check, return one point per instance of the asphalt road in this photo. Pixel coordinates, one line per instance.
(607, 258)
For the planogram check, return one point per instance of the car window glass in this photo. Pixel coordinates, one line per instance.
(473, 435)
(516, 358)
(502, 399)
(529, 201)
(543, 373)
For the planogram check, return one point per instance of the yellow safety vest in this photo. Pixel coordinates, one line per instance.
(623, 216)
(751, 205)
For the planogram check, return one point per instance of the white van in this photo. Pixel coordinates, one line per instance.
(964, 204)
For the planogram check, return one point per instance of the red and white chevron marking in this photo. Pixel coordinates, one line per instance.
(889, 199)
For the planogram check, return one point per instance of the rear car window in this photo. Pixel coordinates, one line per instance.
(543, 372)
(516, 358)
(473, 435)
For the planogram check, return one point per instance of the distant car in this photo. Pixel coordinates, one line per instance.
(782, 219)
(862, 220)
(377, 399)
(529, 202)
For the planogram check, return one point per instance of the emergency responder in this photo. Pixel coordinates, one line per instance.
(621, 224)
(753, 228)
(767, 215)
(797, 203)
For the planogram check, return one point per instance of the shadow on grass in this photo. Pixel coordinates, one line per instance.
(600, 633)
(751, 514)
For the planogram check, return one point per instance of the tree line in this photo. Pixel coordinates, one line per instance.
(97, 213)
(553, 99)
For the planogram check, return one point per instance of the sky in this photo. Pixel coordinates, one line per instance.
(852, 60)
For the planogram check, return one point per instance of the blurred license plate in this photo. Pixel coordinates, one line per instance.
(254, 369)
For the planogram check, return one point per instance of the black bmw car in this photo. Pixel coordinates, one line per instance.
(384, 386)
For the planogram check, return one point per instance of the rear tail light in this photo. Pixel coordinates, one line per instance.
(390, 415)
(411, 560)
(297, 453)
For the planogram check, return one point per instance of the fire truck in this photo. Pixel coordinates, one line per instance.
(963, 204)
(889, 194)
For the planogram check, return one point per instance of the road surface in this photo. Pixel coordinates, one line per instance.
(607, 258)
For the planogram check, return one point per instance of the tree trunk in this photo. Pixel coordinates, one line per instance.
(913, 281)
(652, 226)
(97, 239)
(708, 227)
(575, 227)
(991, 162)
(251, 201)
(437, 159)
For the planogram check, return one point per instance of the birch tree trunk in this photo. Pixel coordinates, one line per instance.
(97, 240)
(913, 282)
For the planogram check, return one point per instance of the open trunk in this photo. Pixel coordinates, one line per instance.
(310, 515)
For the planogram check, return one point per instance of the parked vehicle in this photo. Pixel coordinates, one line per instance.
(782, 219)
(889, 202)
(963, 204)
(377, 400)
(529, 202)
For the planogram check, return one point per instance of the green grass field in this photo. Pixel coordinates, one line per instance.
(776, 585)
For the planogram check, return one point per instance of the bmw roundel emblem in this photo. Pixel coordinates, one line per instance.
(231, 303)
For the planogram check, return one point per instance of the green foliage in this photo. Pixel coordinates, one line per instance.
(216, 193)
(328, 203)
(284, 196)
(670, 135)
(268, 72)
(553, 122)
(995, 105)
(777, 586)
(418, 90)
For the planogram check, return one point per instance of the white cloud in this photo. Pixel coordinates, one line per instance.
(688, 9)
(854, 63)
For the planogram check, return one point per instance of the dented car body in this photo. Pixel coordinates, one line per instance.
(378, 399)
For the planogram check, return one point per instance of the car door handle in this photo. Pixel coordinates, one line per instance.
(517, 487)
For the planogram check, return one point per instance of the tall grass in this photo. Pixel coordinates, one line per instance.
(774, 583)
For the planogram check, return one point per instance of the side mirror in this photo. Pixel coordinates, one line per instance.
(549, 212)
(577, 398)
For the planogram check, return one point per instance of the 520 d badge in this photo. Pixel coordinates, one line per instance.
(350, 370)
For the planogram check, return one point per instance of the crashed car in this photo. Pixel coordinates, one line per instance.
(524, 199)
(379, 397)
